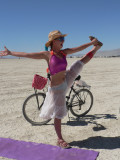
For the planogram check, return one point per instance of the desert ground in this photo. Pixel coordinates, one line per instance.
(99, 130)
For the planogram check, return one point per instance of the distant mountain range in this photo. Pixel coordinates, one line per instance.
(108, 53)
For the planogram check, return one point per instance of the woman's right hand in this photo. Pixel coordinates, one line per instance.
(95, 41)
(6, 52)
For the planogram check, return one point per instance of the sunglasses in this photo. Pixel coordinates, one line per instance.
(61, 39)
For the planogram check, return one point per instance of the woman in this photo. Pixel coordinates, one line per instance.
(61, 79)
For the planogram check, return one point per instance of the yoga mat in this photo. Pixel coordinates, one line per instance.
(22, 150)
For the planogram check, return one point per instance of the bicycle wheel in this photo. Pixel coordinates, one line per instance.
(81, 102)
(32, 107)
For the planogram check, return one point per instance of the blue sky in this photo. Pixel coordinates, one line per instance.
(25, 24)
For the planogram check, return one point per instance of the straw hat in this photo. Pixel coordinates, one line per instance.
(53, 35)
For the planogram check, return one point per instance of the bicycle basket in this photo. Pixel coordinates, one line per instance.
(39, 82)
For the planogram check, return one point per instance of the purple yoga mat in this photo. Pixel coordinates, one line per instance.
(22, 150)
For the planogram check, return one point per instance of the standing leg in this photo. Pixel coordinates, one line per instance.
(57, 125)
(60, 142)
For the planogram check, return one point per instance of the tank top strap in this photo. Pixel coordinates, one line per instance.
(51, 52)
(63, 53)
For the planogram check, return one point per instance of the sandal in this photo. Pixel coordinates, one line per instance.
(99, 43)
(61, 143)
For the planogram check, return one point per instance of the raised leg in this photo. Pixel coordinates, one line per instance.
(90, 54)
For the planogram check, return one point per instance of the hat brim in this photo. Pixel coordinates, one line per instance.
(57, 36)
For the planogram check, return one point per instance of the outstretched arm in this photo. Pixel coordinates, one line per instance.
(35, 55)
(80, 48)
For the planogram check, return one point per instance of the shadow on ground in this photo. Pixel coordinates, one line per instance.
(98, 142)
(84, 121)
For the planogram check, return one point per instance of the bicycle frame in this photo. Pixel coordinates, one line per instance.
(68, 104)
(36, 95)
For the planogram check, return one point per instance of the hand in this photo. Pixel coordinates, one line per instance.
(6, 52)
(94, 41)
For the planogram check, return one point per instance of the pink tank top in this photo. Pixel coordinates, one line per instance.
(57, 64)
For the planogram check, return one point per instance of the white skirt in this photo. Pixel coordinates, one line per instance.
(55, 102)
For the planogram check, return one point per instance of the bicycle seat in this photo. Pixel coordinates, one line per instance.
(78, 78)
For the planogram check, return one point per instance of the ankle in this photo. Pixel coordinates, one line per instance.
(98, 47)
(60, 139)
(95, 49)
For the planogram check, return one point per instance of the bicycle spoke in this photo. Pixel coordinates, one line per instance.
(81, 102)
(77, 103)
(32, 108)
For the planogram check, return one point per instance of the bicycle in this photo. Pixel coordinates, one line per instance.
(79, 103)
